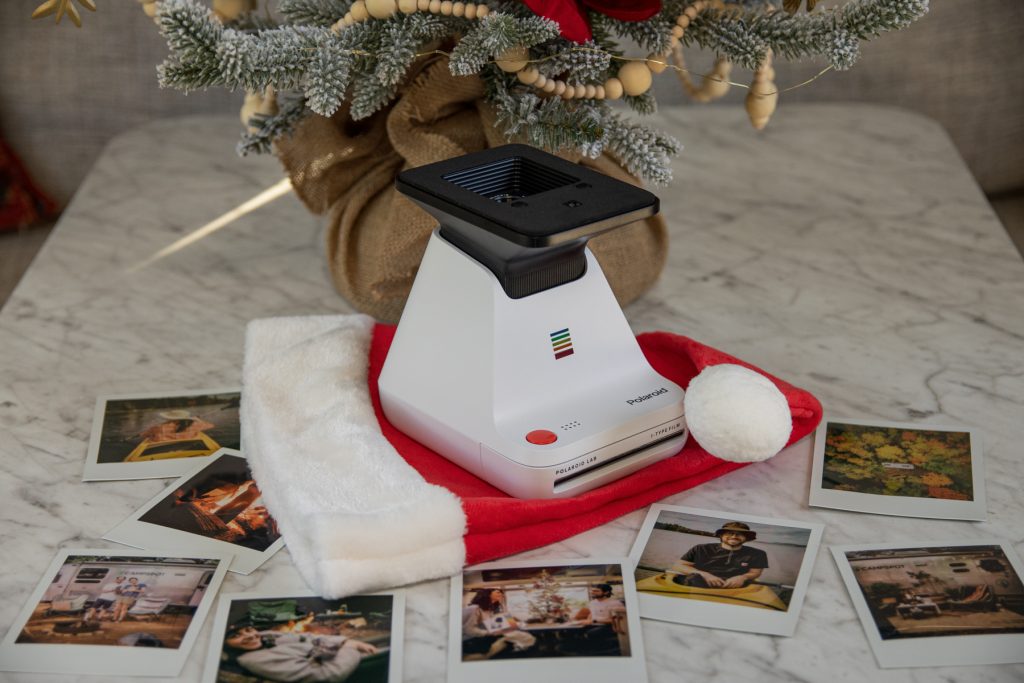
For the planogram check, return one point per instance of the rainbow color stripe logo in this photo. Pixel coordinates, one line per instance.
(561, 343)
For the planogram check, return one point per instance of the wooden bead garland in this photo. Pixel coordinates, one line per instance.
(513, 60)
(381, 9)
(715, 84)
(363, 10)
(635, 78)
(229, 10)
(763, 95)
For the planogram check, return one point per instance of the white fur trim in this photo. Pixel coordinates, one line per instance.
(355, 516)
(737, 414)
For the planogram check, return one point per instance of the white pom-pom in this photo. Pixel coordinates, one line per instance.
(737, 414)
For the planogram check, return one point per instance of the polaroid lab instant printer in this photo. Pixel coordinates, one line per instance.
(512, 357)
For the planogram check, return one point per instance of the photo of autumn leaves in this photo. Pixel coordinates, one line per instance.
(892, 461)
(898, 469)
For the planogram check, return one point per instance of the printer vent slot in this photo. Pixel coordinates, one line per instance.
(509, 179)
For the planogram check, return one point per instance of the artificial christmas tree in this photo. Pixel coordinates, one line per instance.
(349, 93)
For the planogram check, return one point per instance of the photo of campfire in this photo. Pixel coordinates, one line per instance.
(148, 429)
(947, 591)
(221, 502)
(120, 601)
(306, 638)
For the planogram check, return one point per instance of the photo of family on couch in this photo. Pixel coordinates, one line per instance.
(120, 601)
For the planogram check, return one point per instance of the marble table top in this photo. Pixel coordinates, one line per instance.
(846, 249)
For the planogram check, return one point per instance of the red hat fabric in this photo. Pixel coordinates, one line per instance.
(500, 525)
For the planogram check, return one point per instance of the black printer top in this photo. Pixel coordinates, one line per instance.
(526, 196)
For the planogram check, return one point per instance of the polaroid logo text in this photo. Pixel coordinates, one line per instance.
(576, 465)
(641, 399)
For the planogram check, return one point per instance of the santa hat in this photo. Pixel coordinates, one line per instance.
(362, 506)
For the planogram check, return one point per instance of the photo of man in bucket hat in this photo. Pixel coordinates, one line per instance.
(726, 564)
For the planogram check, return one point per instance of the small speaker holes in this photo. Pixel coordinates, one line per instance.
(571, 425)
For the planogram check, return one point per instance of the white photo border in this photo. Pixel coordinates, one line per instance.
(105, 660)
(958, 650)
(591, 669)
(220, 621)
(728, 617)
(901, 506)
(153, 469)
(157, 538)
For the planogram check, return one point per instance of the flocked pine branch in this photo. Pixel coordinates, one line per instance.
(313, 12)
(496, 34)
(651, 35)
(315, 69)
(541, 122)
(585, 63)
(266, 129)
(743, 36)
(643, 151)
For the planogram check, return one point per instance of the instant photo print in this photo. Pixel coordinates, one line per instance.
(217, 508)
(545, 620)
(296, 635)
(937, 604)
(723, 570)
(114, 612)
(909, 470)
(160, 435)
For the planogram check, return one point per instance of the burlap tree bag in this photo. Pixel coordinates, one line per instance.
(376, 237)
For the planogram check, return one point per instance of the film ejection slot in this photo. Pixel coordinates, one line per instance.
(657, 436)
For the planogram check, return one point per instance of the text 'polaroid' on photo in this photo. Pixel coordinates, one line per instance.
(545, 620)
(899, 469)
(158, 435)
(298, 636)
(723, 570)
(937, 604)
(111, 612)
(216, 507)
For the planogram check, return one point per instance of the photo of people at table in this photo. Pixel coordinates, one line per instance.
(221, 502)
(723, 560)
(309, 639)
(544, 611)
(170, 427)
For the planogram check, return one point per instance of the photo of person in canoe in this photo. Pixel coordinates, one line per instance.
(726, 564)
(724, 569)
(723, 560)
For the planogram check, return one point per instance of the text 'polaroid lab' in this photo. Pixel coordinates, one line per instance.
(512, 357)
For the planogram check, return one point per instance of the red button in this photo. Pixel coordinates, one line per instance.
(541, 437)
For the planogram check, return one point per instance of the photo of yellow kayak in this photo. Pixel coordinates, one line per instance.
(753, 595)
(203, 444)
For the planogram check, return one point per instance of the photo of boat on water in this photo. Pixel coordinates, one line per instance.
(144, 436)
(140, 430)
